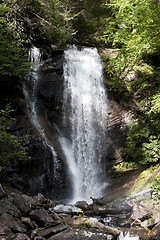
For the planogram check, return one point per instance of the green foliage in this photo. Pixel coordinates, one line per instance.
(11, 148)
(88, 22)
(81, 218)
(134, 29)
(146, 179)
(155, 103)
(144, 139)
(55, 20)
(11, 57)
(144, 133)
(125, 166)
(155, 184)
(13, 62)
(59, 17)
(33, 20)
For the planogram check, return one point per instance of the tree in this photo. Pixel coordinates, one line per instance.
(40, 20)
(133, 28)
(13, 61)
(11, 148)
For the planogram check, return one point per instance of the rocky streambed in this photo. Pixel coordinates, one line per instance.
(24, 217)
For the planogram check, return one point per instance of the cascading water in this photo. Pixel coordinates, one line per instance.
(32, 108)
(85, 112)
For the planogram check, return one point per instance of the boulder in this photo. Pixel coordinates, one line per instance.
(54, 215)
(68, 209)
(81, 234)
(49, 232)
(83, 205)
(12, 223)
(42, 218)
(44, 202)
(23, 202)
(6, 206)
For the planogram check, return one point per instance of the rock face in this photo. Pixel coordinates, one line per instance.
(50, 94)
(118, 122)
(38, 175)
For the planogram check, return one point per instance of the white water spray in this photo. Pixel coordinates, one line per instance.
(127, 237)
(32, 105)
(85, 111)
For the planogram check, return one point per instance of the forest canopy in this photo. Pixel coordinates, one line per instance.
(133, 29)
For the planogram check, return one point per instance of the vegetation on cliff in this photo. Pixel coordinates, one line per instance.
(11, 147)
(133, 28)
(13, 65)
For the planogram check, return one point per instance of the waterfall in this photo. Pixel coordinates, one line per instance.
(85, 112)
(82, 138)
(38, 121)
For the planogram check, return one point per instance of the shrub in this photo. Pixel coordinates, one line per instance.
(11, 148)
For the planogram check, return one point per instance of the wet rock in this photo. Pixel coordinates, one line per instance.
(49, 232)
(69, 209)
(6, 206)
(118, 122)
(23, 202)
(40, 169)
(12, 223)
(41, 217)
(155, 233)
(19, 236)
(82, 204)
(56, 218)
(80, 234)
(44, 202)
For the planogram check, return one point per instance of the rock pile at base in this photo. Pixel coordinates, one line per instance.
(23, 217)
